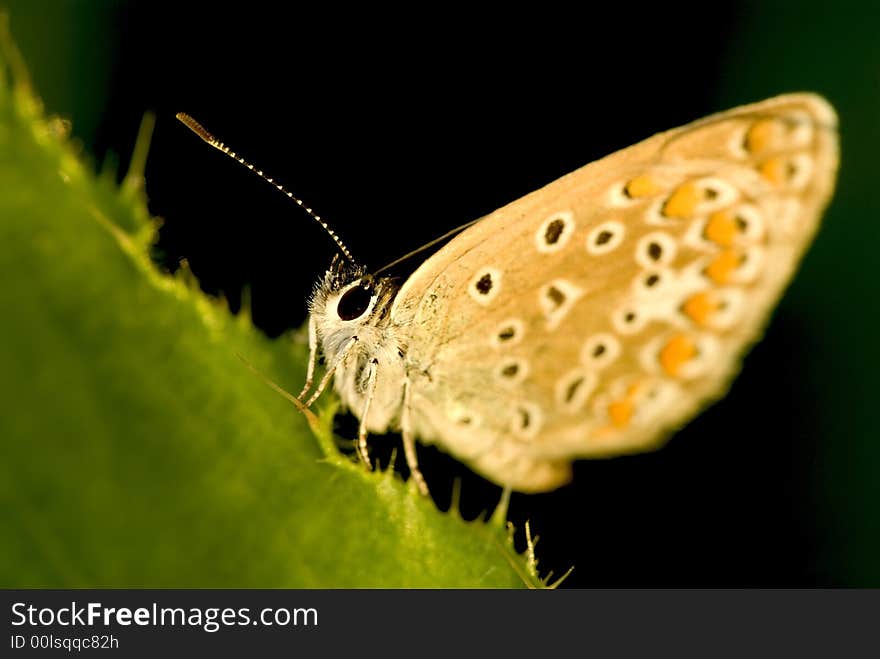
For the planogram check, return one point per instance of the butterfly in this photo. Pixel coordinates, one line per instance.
(592, 317)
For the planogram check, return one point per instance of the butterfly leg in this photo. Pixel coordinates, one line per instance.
(330, 370)
(368, 399)
(313, 356)
(409, 443)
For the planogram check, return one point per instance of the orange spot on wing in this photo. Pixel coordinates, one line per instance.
(683, 201)
(721, 228)
(700, 306)
(620, 412)
(633, 390)
(642, 186)
(723, 267)
(677, 351)
(774, 170)
(761, 135)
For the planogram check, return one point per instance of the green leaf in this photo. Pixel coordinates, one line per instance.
(139, 450)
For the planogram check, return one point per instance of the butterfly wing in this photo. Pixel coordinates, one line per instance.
(595, 315)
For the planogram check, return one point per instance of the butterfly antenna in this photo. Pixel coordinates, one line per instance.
(200, 130)
(425, 246)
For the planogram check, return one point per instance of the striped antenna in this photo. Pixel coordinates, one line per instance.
(199, 130)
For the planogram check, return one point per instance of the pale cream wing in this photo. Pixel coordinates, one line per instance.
(596, 314)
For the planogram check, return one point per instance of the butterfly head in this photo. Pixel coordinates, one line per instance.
(348, 300)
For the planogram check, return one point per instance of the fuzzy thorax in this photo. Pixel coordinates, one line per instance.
(351, 312)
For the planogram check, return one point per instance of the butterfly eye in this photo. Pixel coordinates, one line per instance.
(354, 302)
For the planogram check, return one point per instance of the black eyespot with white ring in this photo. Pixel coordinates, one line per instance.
(629, 320)
(600, 350)
(485, 285)
(655, 248)
(605, 237)
(555, 232)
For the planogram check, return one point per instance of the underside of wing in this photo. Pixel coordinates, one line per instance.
(600, 312)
